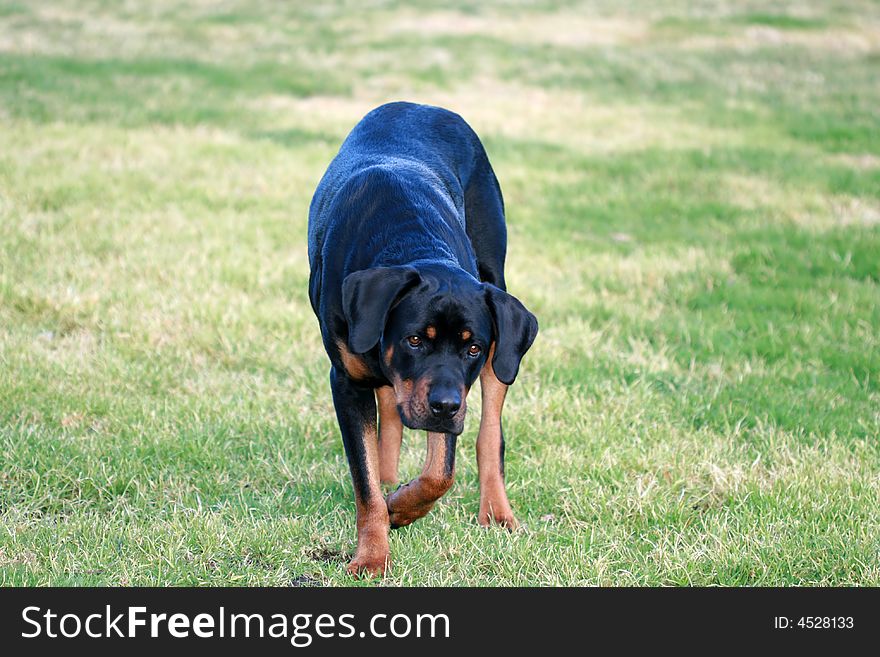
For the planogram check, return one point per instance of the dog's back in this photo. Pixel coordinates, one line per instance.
(420, 149)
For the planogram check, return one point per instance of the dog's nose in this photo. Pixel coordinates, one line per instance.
(444, 403)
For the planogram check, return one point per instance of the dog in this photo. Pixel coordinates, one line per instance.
(407, 242)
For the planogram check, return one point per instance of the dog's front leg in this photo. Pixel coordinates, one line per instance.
(390, 435)
(356, 412)
(494, 505)
(412, 501)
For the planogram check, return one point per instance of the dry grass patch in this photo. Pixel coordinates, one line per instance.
(570, 29)
(855, 41)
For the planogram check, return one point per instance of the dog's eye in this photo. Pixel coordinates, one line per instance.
(474, 350)
(414, 341)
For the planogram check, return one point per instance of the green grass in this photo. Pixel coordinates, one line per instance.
(693, 198)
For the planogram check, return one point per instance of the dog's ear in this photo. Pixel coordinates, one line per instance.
(515, 330)
(367, 297)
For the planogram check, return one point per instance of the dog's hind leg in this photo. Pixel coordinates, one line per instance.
(356, 412)
(390, 435)
(412, 501)
(494, 505)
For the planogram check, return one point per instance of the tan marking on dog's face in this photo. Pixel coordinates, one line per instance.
(459, 417)
(389, 354)
(466, 335)
(418, 400)
(354, 365)
(411, 396)
(431, 332)
(402, 390)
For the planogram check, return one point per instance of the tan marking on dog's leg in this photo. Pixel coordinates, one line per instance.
(412, 501)
(390, 435)
(372, 554)
(494, 505)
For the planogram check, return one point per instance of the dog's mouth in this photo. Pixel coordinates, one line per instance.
(419, 422)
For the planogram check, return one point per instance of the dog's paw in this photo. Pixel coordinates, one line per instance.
(369, 565)
(415, 499)
(403, 511)
(400, 519)
(502, 517)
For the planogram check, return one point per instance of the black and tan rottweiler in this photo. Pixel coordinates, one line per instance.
(407, 242)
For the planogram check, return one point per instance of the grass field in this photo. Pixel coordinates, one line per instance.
(693, 199)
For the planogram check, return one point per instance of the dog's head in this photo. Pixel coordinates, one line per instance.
(435, 327)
